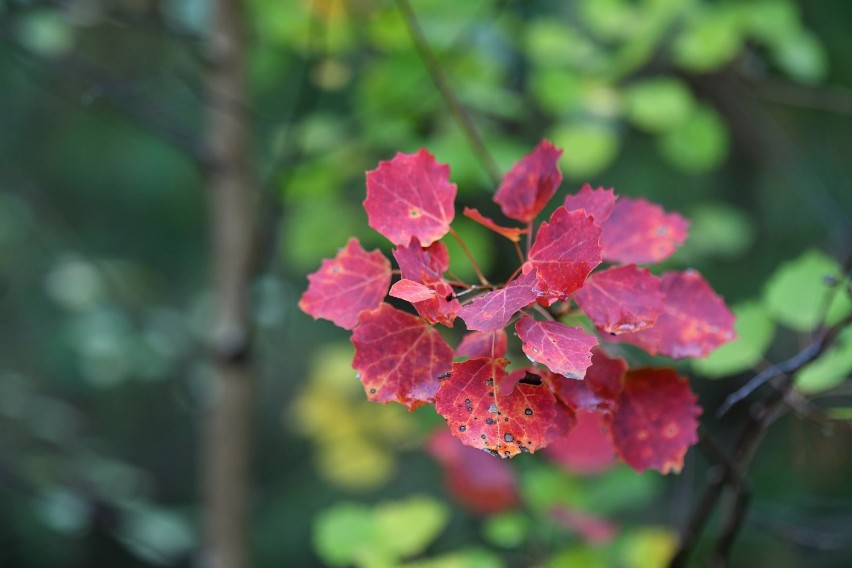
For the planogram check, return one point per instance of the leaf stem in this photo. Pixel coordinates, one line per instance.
(529, 237)
(482, 279)
(442, 82)
(519, 251)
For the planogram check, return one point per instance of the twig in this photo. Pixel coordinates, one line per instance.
(442, 82)
(479, 274)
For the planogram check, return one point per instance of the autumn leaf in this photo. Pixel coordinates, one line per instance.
(565, 251)
(587, 449)
(483, 344)
(410, 196)
(595, 202)
(511, 233)
(343, 287)
(622, 299)
(475, 480)
(426, 266)
(694, 320)
(485, 415)
(641, 232)
(399, 357)
(656, 421)
(599, 389)
(562, 349)
(411, 291)
(492, 311)
(530, 184)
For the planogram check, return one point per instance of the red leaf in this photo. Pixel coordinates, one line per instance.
(599, 389)
(694, 320)
(422, 264)
(426, 266)
(482, 414)
(596, 202)
(623, 299)
(475, 480)
(564, 419)
(530, 184)
(483, 344)
(587, 449)
(641, 232)
(511, 233)
(593, 529)
(399, 357)
(565, 251)
(564, 350)
(410, 196)
(343, 287)
(656, 421)
(492, 311)
(411, 291)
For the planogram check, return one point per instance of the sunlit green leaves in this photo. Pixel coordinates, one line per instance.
(508, 530)
(801, 56)
(717, 230)
(806, 291)
(588, 147)
(658, 104)
(709, 41)
(698, 144)
(380, 536)
(754, 329)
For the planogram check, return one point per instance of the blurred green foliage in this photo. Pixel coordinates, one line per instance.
(734, 112)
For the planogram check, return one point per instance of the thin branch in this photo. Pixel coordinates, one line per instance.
(479, 274)
(791, 365)
(442, 82)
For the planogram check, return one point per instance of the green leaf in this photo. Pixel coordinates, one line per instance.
(558, 91)
(46, 32)
(405, 528)
(798, 293)
(575, 556)
(609, 19)
(506, 531)
(802, 56)
(698, 144)
(830, 369)
(551, 43)
(754, 329)
(468, 558)
(771, 21)
(648, 547)
(344, 533)
(709, 42)
(717, 230)
(658, 104)
(588, 148)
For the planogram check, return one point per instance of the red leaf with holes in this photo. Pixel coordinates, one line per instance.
(623, 299)
(564, 350)
(595, 202)
(427, 266)
(656, 421)
(564, 420)
(399, 357)
(599, 389)
(530, 184)
(587, 449)
(485, 415)
(343, 287)
(694, 320)
(474, 479)
(410, 196)
(565, 251)
(411, 291)
(511, 233)
(492, 311)
(641, 232)
(483, 344)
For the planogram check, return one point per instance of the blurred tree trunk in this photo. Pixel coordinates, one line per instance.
(227, 431)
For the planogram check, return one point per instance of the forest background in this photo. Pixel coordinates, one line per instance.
(114, 264)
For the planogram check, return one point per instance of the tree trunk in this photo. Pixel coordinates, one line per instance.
(227, 428)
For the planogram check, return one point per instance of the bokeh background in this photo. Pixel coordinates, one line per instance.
(737, 114)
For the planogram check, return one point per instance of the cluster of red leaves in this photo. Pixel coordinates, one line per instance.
(574, 392)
